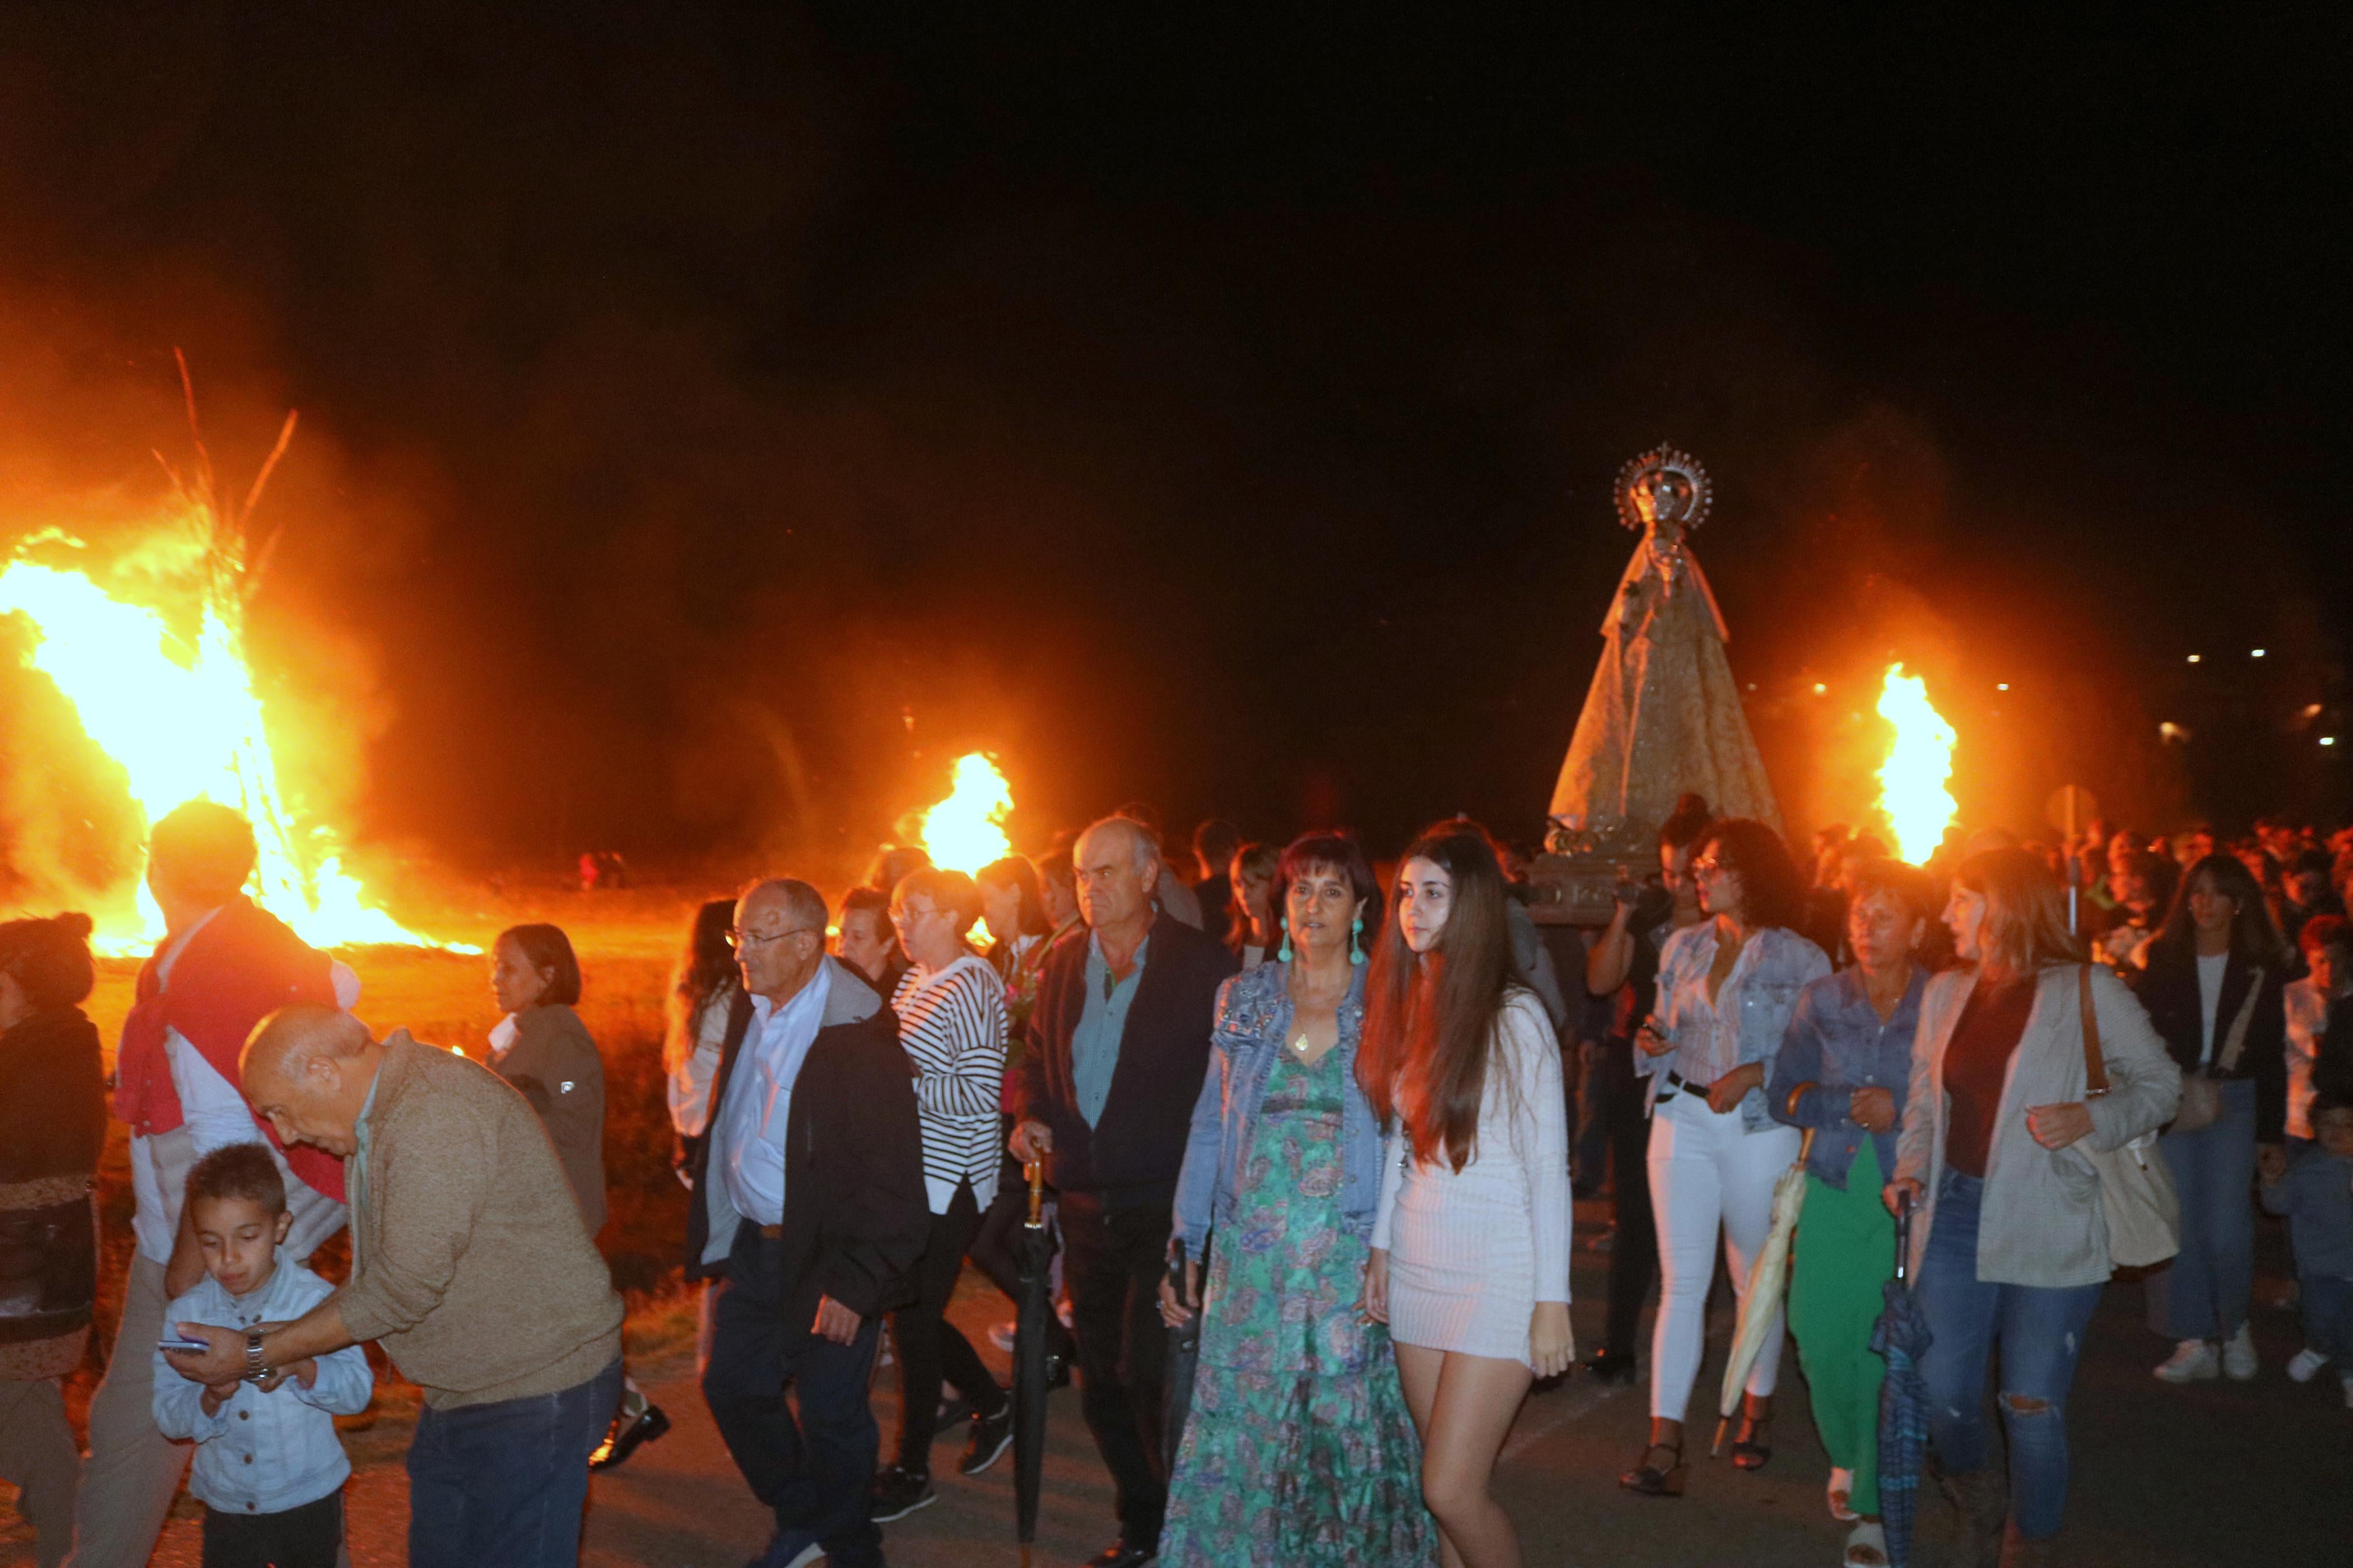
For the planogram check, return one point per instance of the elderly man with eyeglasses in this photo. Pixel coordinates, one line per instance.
(810, 1210)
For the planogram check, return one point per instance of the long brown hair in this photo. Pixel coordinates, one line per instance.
(1430, 1018)
(2255, 940)
(703, 973)
(2025, 929)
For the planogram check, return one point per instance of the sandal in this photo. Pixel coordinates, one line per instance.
(1658, 1481)
(1867, 1546)
(1841, 1495)
(1754, 1445)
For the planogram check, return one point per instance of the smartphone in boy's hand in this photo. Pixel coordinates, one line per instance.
(175, 1343)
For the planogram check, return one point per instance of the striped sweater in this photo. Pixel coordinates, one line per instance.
(951, 1024)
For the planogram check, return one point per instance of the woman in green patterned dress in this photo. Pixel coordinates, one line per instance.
(1299, 1448)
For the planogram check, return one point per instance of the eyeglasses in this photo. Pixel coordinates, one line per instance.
(1712, 867)
(742, 939)
(908, 914)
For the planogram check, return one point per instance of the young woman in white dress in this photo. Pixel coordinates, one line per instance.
(1470, 1260)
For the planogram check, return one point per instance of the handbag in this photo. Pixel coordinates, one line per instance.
(2136, 1194)
(2201, 1096)
(49, 1269)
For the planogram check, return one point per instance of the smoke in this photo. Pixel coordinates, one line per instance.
(714, 421)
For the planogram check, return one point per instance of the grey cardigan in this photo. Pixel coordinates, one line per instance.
(2042, 1223)
(555, 1063)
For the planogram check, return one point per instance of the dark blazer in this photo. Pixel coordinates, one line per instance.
(2168, 989)
(856, 1212)
(1133, 1158)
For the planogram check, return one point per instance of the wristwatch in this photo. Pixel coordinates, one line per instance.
(255, 1369)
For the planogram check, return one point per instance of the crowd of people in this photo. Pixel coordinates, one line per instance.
(1327, 1128)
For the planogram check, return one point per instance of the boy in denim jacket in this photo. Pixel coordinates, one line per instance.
(270, 1469)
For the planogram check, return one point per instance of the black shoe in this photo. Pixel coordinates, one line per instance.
(626, 1436)
(991, 1436)
(1120, 1554)
(899, 1492)
(952, 1412)
(1606, 1365)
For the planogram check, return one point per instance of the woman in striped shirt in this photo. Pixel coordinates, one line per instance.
(951, 1008)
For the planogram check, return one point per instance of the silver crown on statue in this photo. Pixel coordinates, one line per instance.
(1665, 493)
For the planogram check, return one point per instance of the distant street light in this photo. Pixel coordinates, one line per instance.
(2254, 652)
(2001, 686)
(2193, 658)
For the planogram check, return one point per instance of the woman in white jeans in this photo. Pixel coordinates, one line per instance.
(1726, 989)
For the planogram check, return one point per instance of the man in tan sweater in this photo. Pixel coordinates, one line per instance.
(469, 1265)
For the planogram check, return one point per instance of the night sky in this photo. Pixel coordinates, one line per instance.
(714, 418)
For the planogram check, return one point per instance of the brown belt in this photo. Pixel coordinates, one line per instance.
(773, 1232)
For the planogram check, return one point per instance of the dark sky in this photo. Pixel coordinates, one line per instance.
(716, 417)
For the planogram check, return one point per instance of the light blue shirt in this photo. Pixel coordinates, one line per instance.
(1746, 1020)
(751, 1151)
(1095, 1044)
(263, 1453)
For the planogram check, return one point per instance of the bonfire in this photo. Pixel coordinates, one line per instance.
(149, 651)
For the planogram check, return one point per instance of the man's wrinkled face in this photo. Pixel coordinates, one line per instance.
(1115, 882)
(774, 954)
(307, 1108)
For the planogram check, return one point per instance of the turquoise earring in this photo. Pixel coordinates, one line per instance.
(1355, 942)
(1284, 921)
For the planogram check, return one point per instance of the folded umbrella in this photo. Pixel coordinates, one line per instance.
(1902, 1337)
(1760, 1314)
(1184, 1355)
(1033, 1250)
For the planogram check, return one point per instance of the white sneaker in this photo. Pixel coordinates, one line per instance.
(2191, 1360)
(2302, 1365)
(2238, 1356)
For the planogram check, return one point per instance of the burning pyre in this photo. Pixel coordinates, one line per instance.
(150, 652)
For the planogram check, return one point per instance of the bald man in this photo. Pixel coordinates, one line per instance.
(1119, 1042)
(472, 1267)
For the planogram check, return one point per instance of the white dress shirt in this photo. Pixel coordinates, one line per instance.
(751, 1152)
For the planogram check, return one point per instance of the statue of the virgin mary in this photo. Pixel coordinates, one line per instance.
(1662, 716)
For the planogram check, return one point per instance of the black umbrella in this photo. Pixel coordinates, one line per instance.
(1184, 1353)
(1902, 1337)
(1034, 1250)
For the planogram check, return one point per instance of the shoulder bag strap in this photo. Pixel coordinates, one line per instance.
(2235, 1044)
(2096, 1069)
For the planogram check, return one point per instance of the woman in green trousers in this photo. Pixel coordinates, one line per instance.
(1843, 1071)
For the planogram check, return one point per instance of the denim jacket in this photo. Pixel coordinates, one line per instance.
(1745, 1022)
(1835, 1046)
(263, 1453)
(1252, 1021)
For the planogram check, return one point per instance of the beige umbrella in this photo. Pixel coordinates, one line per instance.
(1766, 1277)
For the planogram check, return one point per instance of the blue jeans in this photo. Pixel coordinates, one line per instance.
(2202, 1294)
(2040, 1332)
(506, 1482)
(815, 1473)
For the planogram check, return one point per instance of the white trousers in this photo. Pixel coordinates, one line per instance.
(1707, 1175)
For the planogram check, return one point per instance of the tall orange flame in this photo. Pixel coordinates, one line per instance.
(177, 709)
(966, 832)
(1912, 796)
